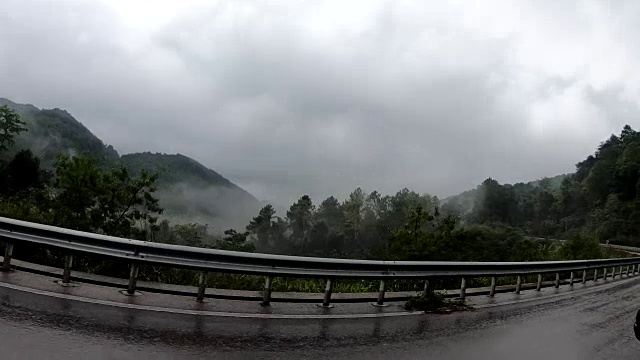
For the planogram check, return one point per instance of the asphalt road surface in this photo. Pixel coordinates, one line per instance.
(596, 324)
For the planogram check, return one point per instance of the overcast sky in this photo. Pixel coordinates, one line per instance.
(294, 97)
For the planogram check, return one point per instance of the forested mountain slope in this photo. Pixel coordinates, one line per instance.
(188, 190)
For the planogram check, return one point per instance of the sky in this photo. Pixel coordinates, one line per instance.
(287, 98)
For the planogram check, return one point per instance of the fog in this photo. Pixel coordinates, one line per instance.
(218, 207)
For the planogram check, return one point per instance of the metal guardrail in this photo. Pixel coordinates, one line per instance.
(629, 249)
(212, 260)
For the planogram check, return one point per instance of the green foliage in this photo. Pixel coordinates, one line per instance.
(299, 218)
(261, 228)
(425, 301)
(10, 126)
(580, 247)
(89, 198)
(601, 198)
(235, 241)
(22, 175)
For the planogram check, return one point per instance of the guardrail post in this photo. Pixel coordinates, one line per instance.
(327, 294)
(133, 277)
(604, 273)
(8, 253)
(633, 269)
(595, 275)
(628, 270)
(66, 273)
(426, 286)
(539, 284)
(584, 276)
(202, 285)
(620, 271)
(571, 279)
(492, 291)
(463, 288)
(518, 284)
(266, 295)
(381, 294)
(557, 284)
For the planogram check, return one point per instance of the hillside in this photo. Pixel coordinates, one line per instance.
(188, 191)
(54, 131)
(600, 200)
(464, 202)
(191, 192)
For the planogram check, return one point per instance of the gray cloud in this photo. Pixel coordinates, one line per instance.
(286, 99)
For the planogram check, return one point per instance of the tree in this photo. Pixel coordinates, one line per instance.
(22, 174)
(235, 241)
(189, 234)
(299, 218)
(89, 198)
(352, 208)
(10, 126)
(260, 228)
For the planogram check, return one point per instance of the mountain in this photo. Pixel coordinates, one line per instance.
(55, 131)
(188, 191)
(191, 192)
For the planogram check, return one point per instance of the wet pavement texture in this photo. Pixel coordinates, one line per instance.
(595, 323)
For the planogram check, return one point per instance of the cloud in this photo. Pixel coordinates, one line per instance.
(287, 98)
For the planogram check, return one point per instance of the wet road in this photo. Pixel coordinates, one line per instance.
(594, 325)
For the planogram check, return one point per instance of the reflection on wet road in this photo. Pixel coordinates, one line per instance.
(595, 325)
